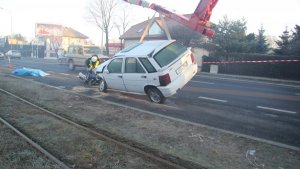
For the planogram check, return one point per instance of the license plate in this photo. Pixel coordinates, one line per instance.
(181, 68)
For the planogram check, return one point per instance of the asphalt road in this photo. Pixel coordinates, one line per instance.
(262, 109)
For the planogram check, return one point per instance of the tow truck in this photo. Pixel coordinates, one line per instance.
(156, 68)
(199, 21)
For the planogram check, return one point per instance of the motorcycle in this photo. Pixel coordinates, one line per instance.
(91, 77)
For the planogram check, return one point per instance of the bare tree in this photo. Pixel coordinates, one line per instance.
(123, 20)
(101, 12)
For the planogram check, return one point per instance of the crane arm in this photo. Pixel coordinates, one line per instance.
(199, 21)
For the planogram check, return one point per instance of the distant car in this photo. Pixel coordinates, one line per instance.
(77, 55)
(13, 54)
(155, 68)
(1, 55)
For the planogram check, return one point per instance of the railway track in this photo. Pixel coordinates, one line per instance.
(34, 144)
(148, 155)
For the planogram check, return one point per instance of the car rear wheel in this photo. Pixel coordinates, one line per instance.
(102, 86)
(155, 95)
(71, 65)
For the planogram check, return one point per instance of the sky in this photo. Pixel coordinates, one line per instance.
(274, 15)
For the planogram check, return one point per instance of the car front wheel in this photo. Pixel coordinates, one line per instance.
(155, 95)
(102, 86)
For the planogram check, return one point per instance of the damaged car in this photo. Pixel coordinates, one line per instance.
(156, 68)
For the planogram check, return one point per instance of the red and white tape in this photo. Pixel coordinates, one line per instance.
(252, 61)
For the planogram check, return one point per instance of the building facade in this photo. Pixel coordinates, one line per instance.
(57, 38)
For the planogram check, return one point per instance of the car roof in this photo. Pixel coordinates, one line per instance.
(144, 48)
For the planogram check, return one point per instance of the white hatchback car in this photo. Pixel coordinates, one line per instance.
(156, 68)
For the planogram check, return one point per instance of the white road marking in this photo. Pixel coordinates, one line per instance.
(278, 110)
(297, 94)
(202, 82)
(212, 99)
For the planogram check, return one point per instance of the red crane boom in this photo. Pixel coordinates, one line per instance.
(199, 21)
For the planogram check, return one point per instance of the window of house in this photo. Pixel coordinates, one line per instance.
(140, 30)
(80, 51)
(155, 29)
(71, 49)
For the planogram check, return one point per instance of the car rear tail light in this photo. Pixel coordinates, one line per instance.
(193, 58)
(164, 80)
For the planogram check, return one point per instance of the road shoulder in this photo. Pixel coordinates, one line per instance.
(252, 78)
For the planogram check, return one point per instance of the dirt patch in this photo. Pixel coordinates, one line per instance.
(206, 147)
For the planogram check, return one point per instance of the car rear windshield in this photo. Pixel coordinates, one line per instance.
(169, 54)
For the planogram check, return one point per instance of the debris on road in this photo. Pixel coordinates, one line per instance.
(251, 157)
(30, 72)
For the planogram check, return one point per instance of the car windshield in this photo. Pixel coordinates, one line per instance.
(169, 53)
(92, 50)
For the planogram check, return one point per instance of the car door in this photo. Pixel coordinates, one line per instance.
(79, 58)
(134, 76)
(113, 74)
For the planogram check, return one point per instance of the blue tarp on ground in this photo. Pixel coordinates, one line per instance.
(30, 72)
